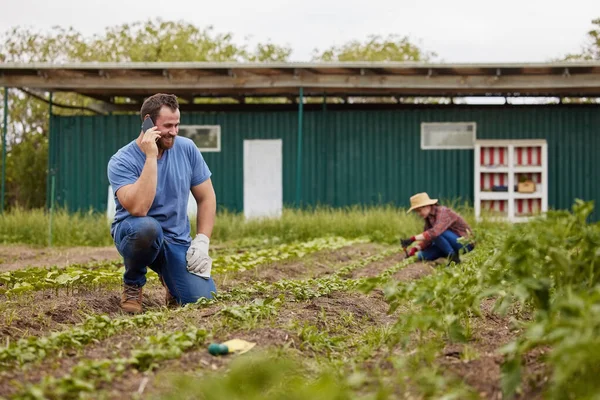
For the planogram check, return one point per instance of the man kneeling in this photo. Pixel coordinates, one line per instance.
(151, 178)
(442, 229)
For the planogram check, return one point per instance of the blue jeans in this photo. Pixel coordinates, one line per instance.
(443, 246)
(141, 242)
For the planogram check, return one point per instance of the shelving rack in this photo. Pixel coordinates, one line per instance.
(499, 166)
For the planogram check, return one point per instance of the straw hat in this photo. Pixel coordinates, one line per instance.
(420, 200)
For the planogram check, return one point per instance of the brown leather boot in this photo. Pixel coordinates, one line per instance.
(170, 301)
(131, 299)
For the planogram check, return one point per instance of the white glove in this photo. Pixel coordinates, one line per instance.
(198, 261)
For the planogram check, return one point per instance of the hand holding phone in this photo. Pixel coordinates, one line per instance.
(150, 137)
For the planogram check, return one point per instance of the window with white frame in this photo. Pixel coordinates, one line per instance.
(448, 135)
(206, 137)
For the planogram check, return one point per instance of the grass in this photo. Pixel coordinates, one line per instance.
(31, 227)
(381, 224)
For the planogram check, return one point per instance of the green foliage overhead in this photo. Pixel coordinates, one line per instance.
(375, 48)
(591, 50)
(140, 41)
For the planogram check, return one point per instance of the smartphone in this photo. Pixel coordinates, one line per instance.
(148, 123)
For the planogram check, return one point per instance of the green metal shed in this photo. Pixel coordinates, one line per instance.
(353, 156)
(349, 151)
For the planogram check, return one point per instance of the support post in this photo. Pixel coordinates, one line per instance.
(52, 180)
(4, 133)
(299, 148)
(52, 186)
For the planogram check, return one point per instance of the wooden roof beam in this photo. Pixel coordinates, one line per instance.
(430, 81)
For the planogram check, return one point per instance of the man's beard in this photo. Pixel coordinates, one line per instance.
(163, 145)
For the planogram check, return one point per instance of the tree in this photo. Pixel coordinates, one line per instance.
(25, 45)
(375, 48)
(269, 52)
(160, 40)
(590, 51)
(26, 172)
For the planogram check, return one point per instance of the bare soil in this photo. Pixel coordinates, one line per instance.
(18, 256)
(38, 313)
(481, 369)
(413, 272)
(378, 267)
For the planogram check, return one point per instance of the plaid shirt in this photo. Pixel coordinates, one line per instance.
(440, 220)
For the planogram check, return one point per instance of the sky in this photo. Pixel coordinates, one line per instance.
(458, 31)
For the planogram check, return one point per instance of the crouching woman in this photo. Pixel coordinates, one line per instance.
(443, 228)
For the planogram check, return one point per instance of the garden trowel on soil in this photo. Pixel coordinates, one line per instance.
(231, 346)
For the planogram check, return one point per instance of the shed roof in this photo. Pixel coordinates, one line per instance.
(191, 80)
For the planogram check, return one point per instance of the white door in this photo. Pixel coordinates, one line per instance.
(263, 182)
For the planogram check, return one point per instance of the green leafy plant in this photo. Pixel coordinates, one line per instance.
(552, 267)
(85, 376)
(95, 274)
(248, 315)
(95, 328)
(249, 260)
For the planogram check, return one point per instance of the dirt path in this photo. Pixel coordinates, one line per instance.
(18, 256)
(311, 266)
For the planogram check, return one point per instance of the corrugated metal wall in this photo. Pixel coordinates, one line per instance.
(350, 157)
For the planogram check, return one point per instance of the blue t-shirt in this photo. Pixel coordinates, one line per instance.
(179, 169)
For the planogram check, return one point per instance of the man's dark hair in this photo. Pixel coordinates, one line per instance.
(154, 103)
